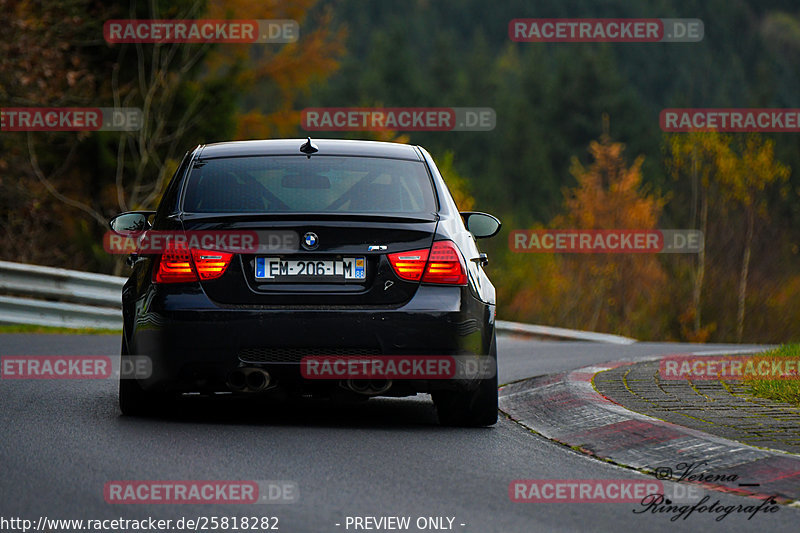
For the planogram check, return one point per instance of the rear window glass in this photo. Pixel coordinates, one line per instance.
(321, 184)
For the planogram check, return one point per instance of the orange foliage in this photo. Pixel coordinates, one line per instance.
(599, 292)
(290, 68)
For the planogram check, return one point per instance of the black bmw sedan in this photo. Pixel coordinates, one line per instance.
(315, 268)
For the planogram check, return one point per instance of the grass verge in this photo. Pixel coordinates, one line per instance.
(28, 328)
(782, 390)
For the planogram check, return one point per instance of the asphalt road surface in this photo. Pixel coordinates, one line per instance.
(63, 440)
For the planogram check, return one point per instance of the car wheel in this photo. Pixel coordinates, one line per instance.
(471, 408)
(133, 400)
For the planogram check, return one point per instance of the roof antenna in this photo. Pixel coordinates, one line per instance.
(309, 148)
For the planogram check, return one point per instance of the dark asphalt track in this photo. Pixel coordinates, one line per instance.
(63, 440)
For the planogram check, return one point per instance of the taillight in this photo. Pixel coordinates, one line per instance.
(409, 265)
(442, 264)
(211, 264)
(175, 266)
(445, 265)
(181, 265)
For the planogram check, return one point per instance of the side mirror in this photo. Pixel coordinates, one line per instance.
(481, 225)
(131, 223)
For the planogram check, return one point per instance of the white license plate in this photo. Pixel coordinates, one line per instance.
(277, 269)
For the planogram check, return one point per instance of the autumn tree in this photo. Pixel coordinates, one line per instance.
(730, 176)
(699, 157)
(215, 82)
(188, 93)
(618, 293)
(273, 77)
(611, 290)
(743, 182)
(45, 62)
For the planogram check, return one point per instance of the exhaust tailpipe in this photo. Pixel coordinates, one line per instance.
(369, 387)
(248, 380)
(257, 379)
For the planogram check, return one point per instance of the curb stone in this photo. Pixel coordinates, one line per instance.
(566, 408)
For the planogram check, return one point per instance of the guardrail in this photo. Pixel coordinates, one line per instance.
(59, 297)
(86, 300)
(561, 334)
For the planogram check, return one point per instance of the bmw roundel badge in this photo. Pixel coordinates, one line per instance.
(310, 240)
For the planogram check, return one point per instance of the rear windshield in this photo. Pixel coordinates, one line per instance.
(320, 184)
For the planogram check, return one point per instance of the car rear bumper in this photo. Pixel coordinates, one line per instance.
(194, 343)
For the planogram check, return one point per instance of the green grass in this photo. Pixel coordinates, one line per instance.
(782, 390)
(27, 328)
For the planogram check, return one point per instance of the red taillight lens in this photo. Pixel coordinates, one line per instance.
(445, 265)
(181, 265)
(441, 264)
(211, 265)
(175, 266)
(409, 265)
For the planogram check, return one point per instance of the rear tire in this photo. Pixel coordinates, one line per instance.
(470, 408)
(133, 400)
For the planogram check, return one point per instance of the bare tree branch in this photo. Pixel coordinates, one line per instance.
(52, 190)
